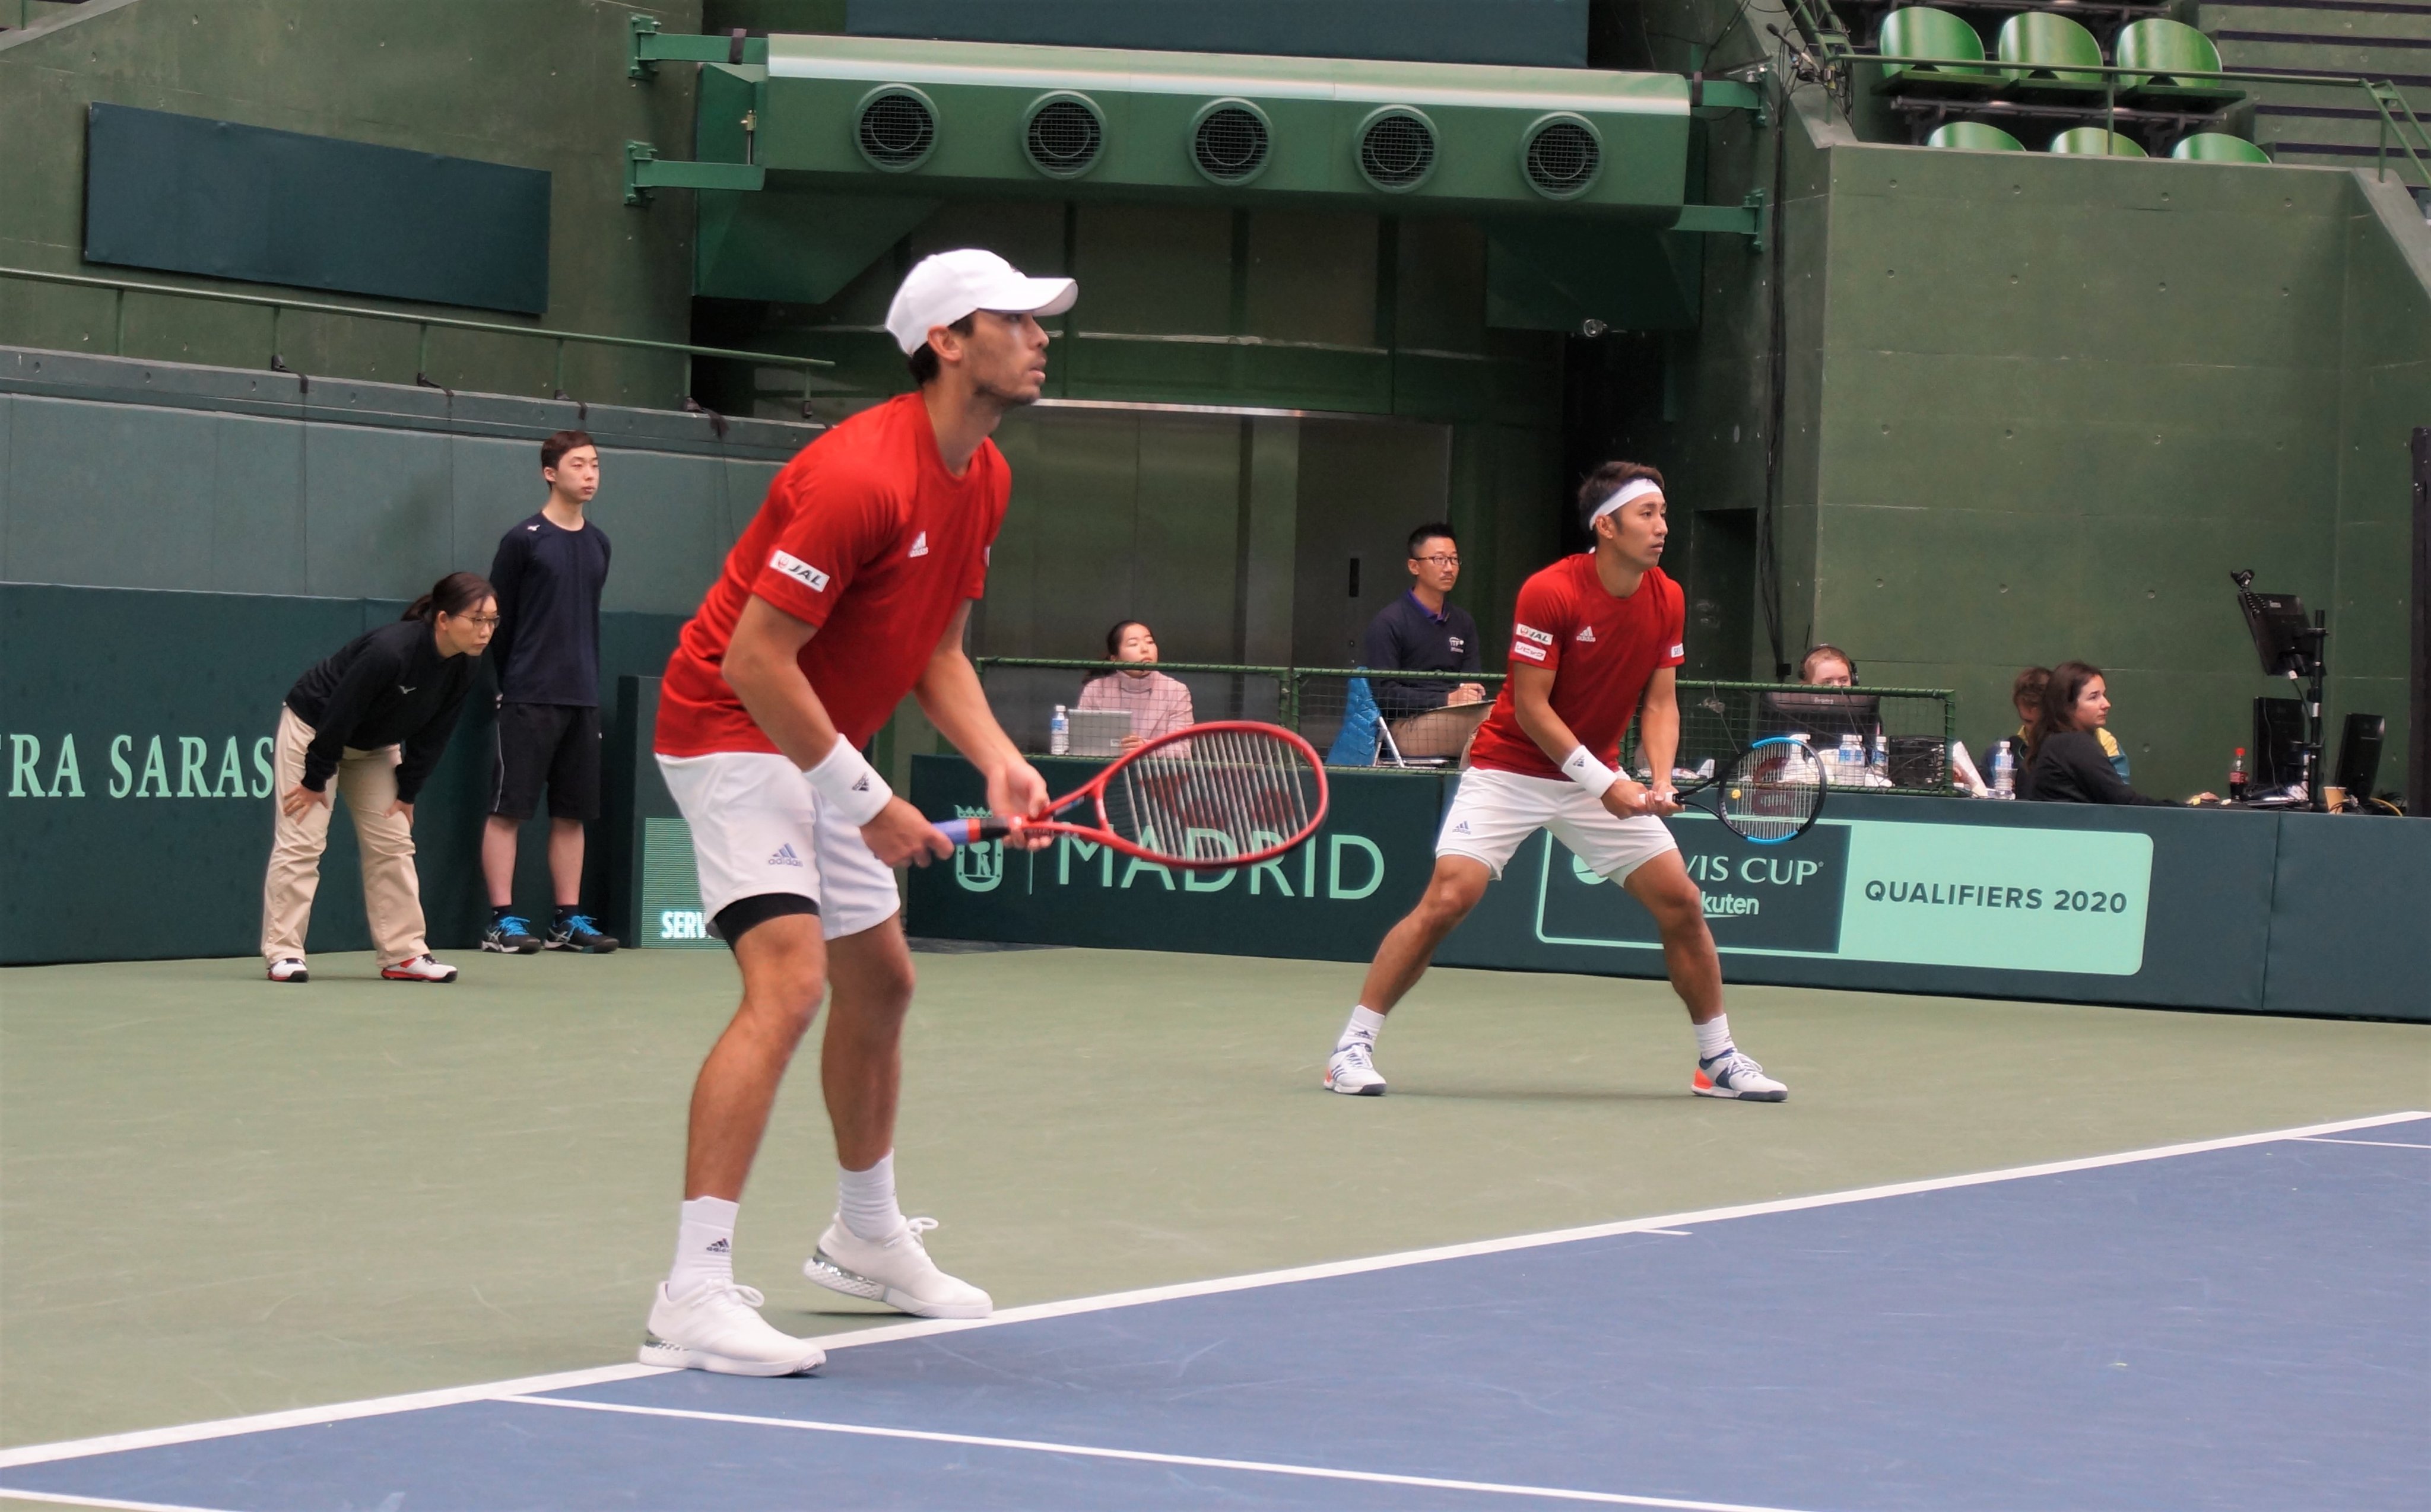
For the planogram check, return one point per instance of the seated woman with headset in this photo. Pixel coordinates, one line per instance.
(2065, 764)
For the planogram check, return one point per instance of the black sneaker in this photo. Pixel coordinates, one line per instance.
(510, 935)
(574, 931)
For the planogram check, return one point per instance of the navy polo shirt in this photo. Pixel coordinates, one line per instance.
(1405, 637)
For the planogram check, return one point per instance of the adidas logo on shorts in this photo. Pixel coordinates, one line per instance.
(1462, 827)
(784, 856)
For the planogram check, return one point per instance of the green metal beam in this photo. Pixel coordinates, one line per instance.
(649, 47)
(645, 171)
(1751, 218)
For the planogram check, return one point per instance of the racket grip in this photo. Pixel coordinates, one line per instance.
(972, 832)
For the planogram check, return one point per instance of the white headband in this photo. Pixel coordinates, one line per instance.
(1636, 488)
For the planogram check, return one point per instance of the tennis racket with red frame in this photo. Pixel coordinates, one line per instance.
(1231, 793)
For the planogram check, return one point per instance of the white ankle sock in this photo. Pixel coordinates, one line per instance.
(704, 1246)
(1713, 1036)
(866, 1199)
(1365, 1025)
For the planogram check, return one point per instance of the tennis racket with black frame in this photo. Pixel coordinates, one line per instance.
(1768, 797)
(1231, 793)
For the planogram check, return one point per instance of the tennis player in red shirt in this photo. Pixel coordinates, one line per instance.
(1595, 636)
(849, 590)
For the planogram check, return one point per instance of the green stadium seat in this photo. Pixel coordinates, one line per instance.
(1973, 136)
(2050, 49)
(2092, 142)
(2218, 146)
(2165, 48)
(1920, 31)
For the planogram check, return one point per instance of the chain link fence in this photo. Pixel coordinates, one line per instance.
(1426, 718)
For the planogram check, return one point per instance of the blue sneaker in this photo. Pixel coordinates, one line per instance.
(511, 935)
(576, 932)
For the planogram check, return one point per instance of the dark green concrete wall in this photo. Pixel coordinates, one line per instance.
(115, 473)
(531, 83)
(2062, 399)
(1239, 404)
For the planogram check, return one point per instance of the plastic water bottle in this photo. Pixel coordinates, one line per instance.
(1878, 770)
(2004, 772)
(1058, 734)
(2236, 775)
(1852, 763)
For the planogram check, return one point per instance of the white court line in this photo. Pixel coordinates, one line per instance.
(1676, 1234)
(415, 1402)
(1146, 1457)
(63, 1499)
(2376, 1144)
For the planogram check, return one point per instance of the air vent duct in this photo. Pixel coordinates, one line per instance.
(1064, 135)
(896, 128)
(1397, 148)
(1229, 142)
(1562, 158)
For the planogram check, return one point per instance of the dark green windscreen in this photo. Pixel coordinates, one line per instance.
(188, 194)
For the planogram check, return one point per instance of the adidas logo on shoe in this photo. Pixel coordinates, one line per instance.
(784, 856)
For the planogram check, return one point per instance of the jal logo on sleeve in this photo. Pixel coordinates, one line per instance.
(800, 571)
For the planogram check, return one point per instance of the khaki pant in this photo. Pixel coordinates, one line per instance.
(392, 893)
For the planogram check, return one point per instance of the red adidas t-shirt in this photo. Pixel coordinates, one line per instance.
(1601, 652)
(865, 535)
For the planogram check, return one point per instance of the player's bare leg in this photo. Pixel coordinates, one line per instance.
(1454, 889)
(1664, 886)
(871, 1250)
(1662, 883)
(700, 1318)
(784, 971)
(861, 1061)
(1458, 882)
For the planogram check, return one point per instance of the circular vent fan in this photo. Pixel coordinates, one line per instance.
(1230, 146)
(1397, 148)
(897, 129)
(1563, 158)
(1062, 138)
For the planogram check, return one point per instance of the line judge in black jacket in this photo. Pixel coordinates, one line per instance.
(2065, 762)
(375, 716)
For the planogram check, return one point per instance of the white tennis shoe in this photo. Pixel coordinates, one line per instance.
(1352, 1071)
(1734, 1073)
(717, 1327)
(897, 1271)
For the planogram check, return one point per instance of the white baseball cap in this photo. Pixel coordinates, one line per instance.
(947, 286)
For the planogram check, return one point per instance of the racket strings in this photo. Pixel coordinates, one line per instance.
(1214, 795)
(1771, 794)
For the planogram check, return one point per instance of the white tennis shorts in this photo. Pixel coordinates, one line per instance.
(1494, 812)
(759, 827)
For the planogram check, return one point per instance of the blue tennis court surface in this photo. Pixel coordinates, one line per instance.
(2239, 1324)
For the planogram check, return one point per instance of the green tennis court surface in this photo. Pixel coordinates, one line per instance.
(220, 1197)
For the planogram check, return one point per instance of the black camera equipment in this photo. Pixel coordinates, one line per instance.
(2291, 647)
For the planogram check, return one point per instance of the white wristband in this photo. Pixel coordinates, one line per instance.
(845, 778)
(1582, 768)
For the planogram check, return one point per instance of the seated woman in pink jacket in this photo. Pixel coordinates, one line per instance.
(1158, 705)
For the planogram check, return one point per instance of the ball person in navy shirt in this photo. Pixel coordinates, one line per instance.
(549, 572)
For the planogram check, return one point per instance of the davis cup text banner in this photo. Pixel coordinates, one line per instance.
(2051, 901)
(1874, 890)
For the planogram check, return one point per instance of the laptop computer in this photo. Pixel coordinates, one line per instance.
(1098, 732)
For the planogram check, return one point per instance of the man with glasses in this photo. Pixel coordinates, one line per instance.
(549, 572)
(1422, 631)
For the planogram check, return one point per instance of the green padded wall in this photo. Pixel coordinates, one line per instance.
(184, 194)
(138, 729)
